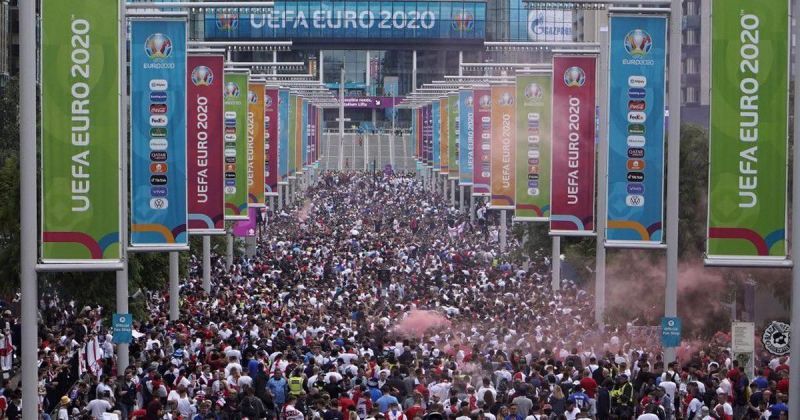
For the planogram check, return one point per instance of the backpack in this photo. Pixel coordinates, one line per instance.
(249, 407)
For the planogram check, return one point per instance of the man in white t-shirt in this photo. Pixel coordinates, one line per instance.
(98, 406)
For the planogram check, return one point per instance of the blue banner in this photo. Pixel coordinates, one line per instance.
(466, 136)
(283, 135)
(158, 133)
(339, 20)
(122, 328)
(436, 124)
(636, 130)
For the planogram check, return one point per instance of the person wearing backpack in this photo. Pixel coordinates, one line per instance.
(251, 406)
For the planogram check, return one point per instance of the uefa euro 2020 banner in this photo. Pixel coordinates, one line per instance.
(236, 83)
(255, 145)
(444, 135)
(503, 150)
(466, 134)
(572, 167)
(283, 135)
(80, 206)
(271, 142)
(482, 124)
(453, 135)
(435, 134)
(637, 64)
(204, 139)
(158, 134)
(532, 195)
(749, 115)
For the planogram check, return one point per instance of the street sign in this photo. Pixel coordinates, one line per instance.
(670, 332)
(122, 324)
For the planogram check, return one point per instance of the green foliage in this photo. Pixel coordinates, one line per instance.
(9, 226)
(693, 192)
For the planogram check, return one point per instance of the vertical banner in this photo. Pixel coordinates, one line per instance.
(466, 133)
(247, 228)
(534, 99)
(573, 152)
(271, 142)
(482, 123)
(292, 124)
(80, 177)
(255, 145)
(283, 135)
(158, 134)
(299, 131)
(204, 165)
(453, 135)
(235, 145)
(305, 136)
(636, 130)
(444, 135)
(747, 218)
(427, 158)
(436, 150)
(502, 151)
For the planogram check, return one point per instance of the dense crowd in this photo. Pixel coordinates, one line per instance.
(374, 300)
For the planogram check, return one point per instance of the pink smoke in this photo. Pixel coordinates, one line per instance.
(417, 322)
(303, 212)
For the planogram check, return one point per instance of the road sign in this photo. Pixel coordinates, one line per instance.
(122, 325)
(670, 332)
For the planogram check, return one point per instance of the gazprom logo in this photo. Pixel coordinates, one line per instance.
(544, 27)
(158, 46)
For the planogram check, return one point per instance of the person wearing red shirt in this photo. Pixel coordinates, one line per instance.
(588, 384)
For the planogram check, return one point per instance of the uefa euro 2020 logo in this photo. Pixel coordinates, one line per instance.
(506, 99)
(468, 101)
(231, 90)
(158, 46)
(267, 101)
(485, 102)
(534, 92)
(252, 97)
(574, 77)
(227, 22)
(638, 43)
(463, 21)
(202, 76)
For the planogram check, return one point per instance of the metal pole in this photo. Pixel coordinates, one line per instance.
(673, 167)
(503, 231)
(341, 119)
(28, 229)
(461, 198)
(173, 286)
(794, 361)
(414, 69)
(555, 282)
(602, 179)
(229, 250)
(122, 293)
(472, 204)
(366, 152)
(280, 197)
(251, 246)
(207, 263)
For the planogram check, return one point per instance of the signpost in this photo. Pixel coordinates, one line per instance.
(743, 345)
(670, 332)
(122, 325)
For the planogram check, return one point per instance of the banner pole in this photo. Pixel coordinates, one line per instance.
(229, 250)
(207, 263)
(673, 167)
(555, 282)
(472, 204)
(461, 199)
(122, 275)
(452, 193)
(173, 286)
(602, 178)
(503, 231)
(366, 152)
(28, 211)
(794, 361)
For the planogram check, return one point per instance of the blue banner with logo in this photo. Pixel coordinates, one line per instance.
(466, 137)
(158, 134)
(335, 21)
(436, 124)
(636, 130)
(283, 135)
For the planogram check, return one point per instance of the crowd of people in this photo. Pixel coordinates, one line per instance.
(373, 299)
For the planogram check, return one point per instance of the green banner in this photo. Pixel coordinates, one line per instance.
(534, 92)
(452, 134)
(748, 137)
(292, 134)
(80, 131)
(236, 145)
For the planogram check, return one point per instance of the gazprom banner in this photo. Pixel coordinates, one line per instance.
(527, 24)
(338, 20)
(204, 129)
(749, 114)
(482, 123)
(80, 206)
(636, 130)
(283, 135)
(534, 97)
(236, 145)
(158, 133)
(271, 142)
(466, 133)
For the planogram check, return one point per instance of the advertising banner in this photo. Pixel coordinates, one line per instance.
(205, 159)
(271, 142)
(292, 125)
(466, 133)
(80, 177)
(573, 151)
(299, 131)
(283, 135)
(427, 137)
(436, 151)
(636, 131)
(255, 145)
(453, 135)
(247, 228)
(504, 132)
(444, 135)
(747, 197)
(534, 99)
(236, 83)
(158, 134)
(305, 134)
(482, 122)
